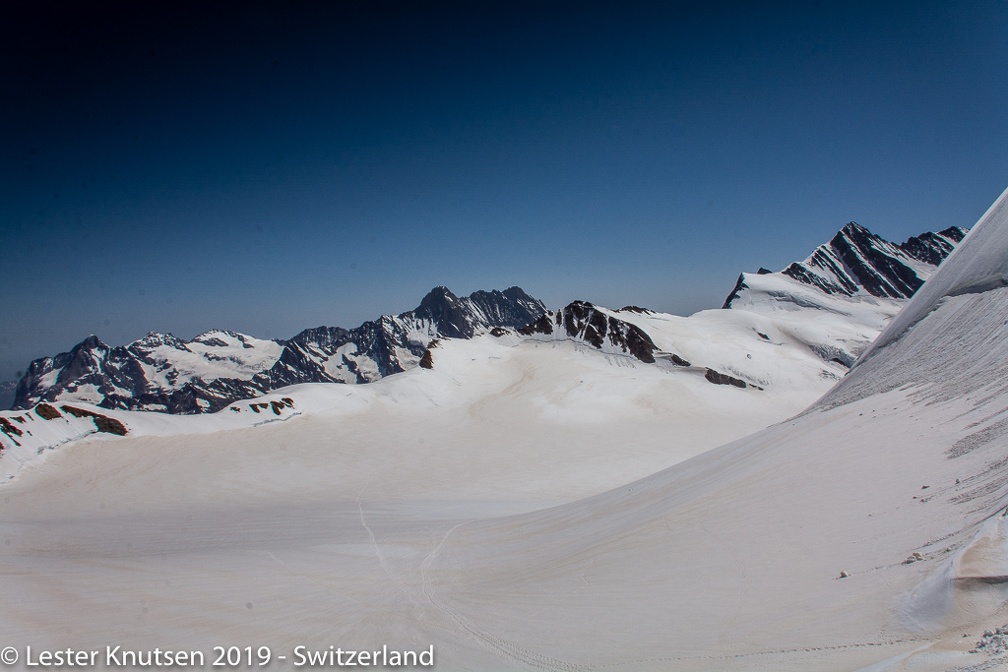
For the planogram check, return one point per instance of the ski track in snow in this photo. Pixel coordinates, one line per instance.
(508, 650)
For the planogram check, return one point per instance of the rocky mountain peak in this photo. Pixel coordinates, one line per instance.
(92, 342)
(600, 328)
(856, 261)
(154, 339)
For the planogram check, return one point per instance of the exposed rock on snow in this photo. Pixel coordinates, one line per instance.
(993, 642)
(850, 287)
(601, 329)
(102, 422)
(723, 379)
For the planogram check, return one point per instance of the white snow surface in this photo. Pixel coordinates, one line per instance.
(489, 506)
(212, 354)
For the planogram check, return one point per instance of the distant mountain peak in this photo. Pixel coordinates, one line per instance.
(154, 339)
(858, 262)
(91, 342)
(439, 293)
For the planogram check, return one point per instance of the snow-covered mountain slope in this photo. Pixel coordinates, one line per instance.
(774, 352)
(854, 284)
(815, 317)
(187, 512)
(158, 372)
(163, 373)
(867, 533)
(394, 344)
(29, 437)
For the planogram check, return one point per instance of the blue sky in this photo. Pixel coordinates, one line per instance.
(266, 169)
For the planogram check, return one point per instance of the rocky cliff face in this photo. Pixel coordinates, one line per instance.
(601, 329)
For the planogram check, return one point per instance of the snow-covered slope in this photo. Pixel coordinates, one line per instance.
(773, 352)
(564, 394)
(158, 372)
(809, 321)
(29, 437)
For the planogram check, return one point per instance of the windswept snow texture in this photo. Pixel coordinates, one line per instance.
(163, 373)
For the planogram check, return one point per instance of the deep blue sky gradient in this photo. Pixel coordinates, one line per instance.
(255, 167)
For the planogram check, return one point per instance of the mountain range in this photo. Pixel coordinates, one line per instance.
(857, 276)
(161, 372)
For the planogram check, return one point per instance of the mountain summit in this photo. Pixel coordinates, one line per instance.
(858, 262)
(162, 372)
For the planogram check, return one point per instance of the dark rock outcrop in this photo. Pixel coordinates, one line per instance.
(739, 286)
(584, 322)
(932, 248)
(102, 422)
(47, 412)
(724, 379)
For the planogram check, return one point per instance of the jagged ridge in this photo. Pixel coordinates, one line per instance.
(856, 260)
